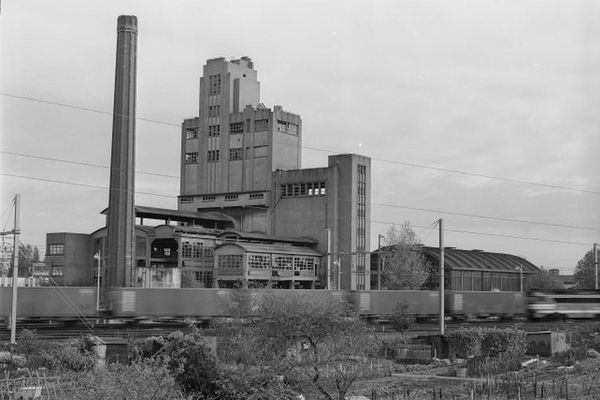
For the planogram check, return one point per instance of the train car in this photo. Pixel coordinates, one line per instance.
(156, 303)
(462, 305)
(381, 303)
(47, 303)
(564, 304)
(195, 303)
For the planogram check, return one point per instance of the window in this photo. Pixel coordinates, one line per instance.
(56, 249)
(254, 196)
(191, 133)
(287, 127)
(191, 158)
(231, 197)
(281, 126)
(214, 130)
(186, 250)
(56, 270)
(214, 111)
(186, 199)
(236, 154)
(197, 250)
(230, 261)
(283, 262)
(208, 198)
(214, 84)
(236, 127)
(261, 125)
(262, 261)
(213, 155)
(303, 189)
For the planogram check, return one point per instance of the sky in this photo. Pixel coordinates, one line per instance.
(462, 106)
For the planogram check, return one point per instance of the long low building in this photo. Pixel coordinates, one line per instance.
(189, 250)
(470, 270)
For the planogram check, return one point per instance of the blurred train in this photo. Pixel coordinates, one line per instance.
(70, 303)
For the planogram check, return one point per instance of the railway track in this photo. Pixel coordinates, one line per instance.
(148, 329)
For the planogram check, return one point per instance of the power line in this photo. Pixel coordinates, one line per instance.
(81, 184)
(373, 221)
(493, 234)
(480, 216)
(396, 162)
(522, 221)
(62, 160)
(155, 121)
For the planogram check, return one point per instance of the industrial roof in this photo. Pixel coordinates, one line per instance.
(266, 238)
(479, 260)
(272, 248)
(176, 215)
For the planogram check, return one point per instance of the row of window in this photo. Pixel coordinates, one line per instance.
(303, 189)
(287, 127)
(196, 250)
(56, 249)
(265, 261)
(214, 84)
(234, 154)
(228, 197)
(234, 128)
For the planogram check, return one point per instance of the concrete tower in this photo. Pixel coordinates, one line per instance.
(121, 217)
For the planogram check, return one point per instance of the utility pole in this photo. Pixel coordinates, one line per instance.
(99, 257)
(596, 262)
(441, 227)
(328, 259)
(521, 276)
(15, 275)
(379, 259)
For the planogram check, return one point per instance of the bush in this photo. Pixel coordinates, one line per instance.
(498, 341)
(144, 379)
(79, 355)
(401, 318)
(465, 342)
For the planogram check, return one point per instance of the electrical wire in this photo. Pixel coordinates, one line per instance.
(396, 162)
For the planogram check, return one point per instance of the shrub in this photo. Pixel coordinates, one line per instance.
(498, 341)
(465, 342)
(401, 318)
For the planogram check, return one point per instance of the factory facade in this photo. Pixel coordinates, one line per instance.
(248, 215)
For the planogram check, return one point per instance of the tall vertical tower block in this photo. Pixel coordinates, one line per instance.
(231, 150)
(121, 216)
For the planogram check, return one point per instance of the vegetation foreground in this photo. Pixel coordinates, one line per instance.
(315, 349)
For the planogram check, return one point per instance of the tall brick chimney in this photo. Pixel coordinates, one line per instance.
(120, 221)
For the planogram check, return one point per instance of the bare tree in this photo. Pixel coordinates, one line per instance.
(404, 266)
(307, 334)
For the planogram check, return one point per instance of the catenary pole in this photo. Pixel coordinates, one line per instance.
(379, 257)
(441, 226)
(15, 275)
(328, 259)
(596, 262)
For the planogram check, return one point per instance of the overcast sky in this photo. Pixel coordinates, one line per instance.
(509, 89)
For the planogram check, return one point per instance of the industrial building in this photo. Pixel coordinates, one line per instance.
(468, 270)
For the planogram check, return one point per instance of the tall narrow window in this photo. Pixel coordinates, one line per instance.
(214, 82)
(214, 111)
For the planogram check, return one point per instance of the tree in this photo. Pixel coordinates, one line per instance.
(403, 266)
(27, 256)
(585, 273)
(543, 280)
(305, 334)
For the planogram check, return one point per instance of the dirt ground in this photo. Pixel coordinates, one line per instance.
(548, 379)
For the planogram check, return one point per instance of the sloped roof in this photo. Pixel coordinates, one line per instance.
(272, 248)
(479, 260)
(176, 215)
(266, 238)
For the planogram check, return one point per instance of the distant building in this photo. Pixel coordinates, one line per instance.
(68, 258)
(472, 270)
